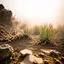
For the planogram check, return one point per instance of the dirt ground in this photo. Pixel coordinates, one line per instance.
(19, 44)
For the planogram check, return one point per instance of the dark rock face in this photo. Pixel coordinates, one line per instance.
(5, 51)
(5, 17)
(1, 7)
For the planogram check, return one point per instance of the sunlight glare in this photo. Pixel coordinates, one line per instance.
(36, 11)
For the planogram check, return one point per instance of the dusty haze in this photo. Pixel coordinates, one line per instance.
(37, 11)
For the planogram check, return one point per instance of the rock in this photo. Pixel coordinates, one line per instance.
(4, 35)
(56, 61)
(5, 51)
(39, 54)
(38, 60)
(25, 52)
(1, 7)
(62, 60)
(28, 60)
(46, 62)
(5, 18)
(54, 54)
(31, 59)
(42, 55)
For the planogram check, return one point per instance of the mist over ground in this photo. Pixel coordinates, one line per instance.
(48, 11)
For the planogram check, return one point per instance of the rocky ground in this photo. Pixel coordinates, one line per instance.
(28, 52)
(24, 49)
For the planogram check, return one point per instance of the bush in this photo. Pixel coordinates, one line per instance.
(46, 33)
(26, 34)
(25, 31)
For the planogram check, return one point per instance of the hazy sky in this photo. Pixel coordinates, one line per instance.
(37, 11)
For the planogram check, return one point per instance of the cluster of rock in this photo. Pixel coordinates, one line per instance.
(39, 58)
(28, 56)
(6, 51)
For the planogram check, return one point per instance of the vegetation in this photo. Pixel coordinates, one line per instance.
(46, 33)
(25, 31)
(19, 36)
(26, 34)
(60, 39)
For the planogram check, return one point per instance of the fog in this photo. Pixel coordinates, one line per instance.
(37, 11)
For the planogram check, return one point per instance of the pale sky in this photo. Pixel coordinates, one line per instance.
(37, 11)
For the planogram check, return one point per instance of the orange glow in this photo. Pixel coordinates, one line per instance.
(36, 11)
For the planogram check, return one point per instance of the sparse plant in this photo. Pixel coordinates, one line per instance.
(25, 32)
(45, 34)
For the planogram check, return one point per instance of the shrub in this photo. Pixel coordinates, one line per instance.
(25, 31)
(26, 34)
(46, 33)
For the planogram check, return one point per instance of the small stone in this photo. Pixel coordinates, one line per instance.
(41, 55)
(62, 59)
(54, 54)
(25, 52)
(57, 62)
(46, 62)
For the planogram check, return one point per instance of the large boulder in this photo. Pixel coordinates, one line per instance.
(5, 18)
(5, 51)
(5, 15)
